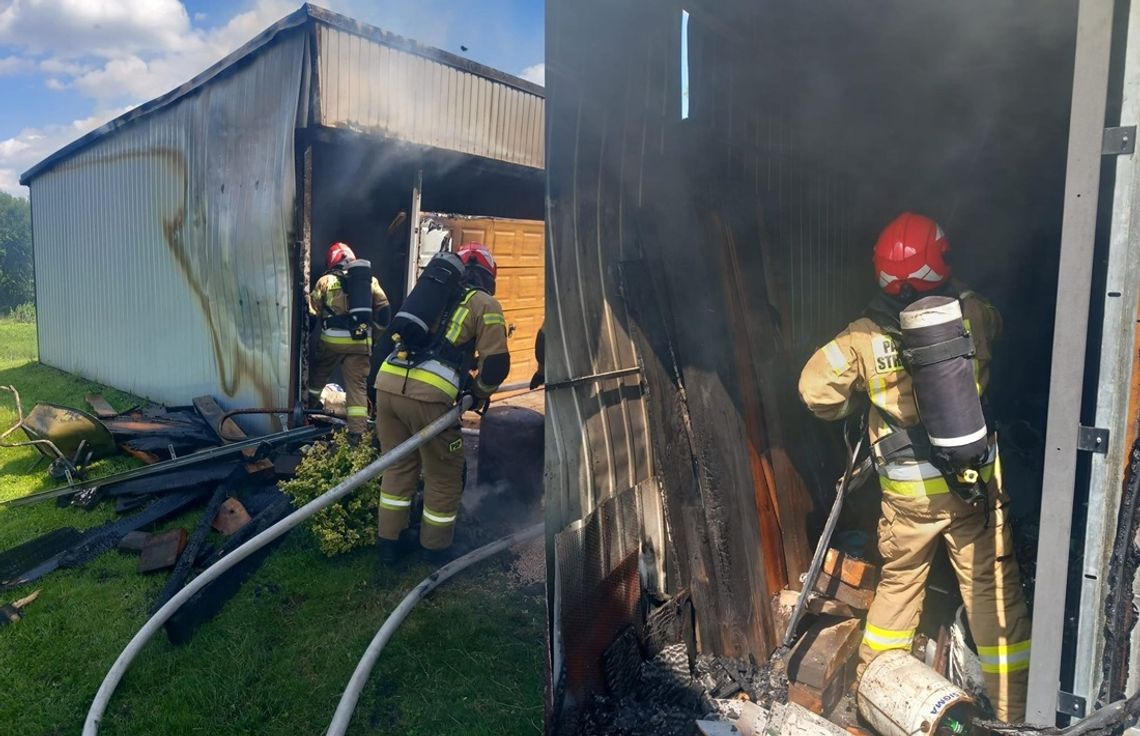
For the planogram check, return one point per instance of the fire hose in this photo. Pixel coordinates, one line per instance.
(342, 489)
(356, 683)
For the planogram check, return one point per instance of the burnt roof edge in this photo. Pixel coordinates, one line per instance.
(300, 17)
(403, 43)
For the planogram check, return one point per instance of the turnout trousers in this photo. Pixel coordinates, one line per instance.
(355, 365)
(913, 521)
(399, 417)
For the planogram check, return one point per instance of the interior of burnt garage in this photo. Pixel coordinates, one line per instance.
(362, 194)
(732, 163)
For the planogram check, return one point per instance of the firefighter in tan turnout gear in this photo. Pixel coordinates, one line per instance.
(461, 348)
(920, 503)
(350, 304)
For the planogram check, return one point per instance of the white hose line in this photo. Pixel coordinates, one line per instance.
(160, 617)
(356, 684)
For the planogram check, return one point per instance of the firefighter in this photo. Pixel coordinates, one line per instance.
(344, 341)
(469, 356)
(539, 377)
(919, 506)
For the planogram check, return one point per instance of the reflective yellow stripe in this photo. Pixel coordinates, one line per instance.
(1005, 658)
(422, 376)
(456, 324)
(335, 340)
(357, 411)
(494, 318)
(882, 640)
(835, 357)
(458, 318)
(877, 390)
(438, 519)
(395, 503)
(927, 486)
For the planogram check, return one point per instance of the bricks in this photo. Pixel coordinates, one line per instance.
(854, 572)
(816, 605)
(161, 551)
(833, 587)
(231, 517)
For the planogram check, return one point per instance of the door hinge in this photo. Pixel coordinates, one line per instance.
(1092, 439)
(1118, 141)
(1070, 705)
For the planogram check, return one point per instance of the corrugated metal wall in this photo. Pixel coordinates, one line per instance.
(367, 86)
(163, 249)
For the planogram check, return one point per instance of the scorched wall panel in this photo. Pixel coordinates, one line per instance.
(163, 249)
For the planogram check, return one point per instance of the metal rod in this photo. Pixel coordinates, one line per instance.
(342, 489)
(594, 377)
(824, 542)
(355, 687)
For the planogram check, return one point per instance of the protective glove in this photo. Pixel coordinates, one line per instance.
(480, 404)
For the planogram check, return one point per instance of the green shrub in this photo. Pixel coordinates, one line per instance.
(25, 312)
(351, 522)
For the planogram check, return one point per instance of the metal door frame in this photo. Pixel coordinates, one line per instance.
(1070, 335)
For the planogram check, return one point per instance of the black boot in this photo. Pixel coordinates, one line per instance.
(436, 558)
(393, 550)
(389, 552)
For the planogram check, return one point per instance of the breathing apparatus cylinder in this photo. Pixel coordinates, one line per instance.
(937, 351)
(422, 311)
(358, 289)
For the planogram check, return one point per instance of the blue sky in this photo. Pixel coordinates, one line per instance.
(67, 66)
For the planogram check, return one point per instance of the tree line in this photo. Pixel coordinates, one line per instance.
(17, 278)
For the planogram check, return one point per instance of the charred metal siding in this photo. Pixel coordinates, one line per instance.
(163, 247)
(385, 88)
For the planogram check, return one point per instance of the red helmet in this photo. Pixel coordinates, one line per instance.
(911, 251)
(476, 254)
(337, 253)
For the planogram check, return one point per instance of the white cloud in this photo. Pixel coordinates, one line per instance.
(137, 77)
(59, 66)
(107, 28)
(31, 145)
(535, 73)
(15, 65)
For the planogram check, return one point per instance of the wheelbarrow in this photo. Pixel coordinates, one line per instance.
(68, 437)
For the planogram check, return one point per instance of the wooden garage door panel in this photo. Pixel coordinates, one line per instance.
(521, 345)
(520, 289)
(518, 246)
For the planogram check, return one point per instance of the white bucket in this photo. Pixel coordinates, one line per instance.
(333, 400)
(900, 696)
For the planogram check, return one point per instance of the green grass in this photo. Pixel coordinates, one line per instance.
(468, 660)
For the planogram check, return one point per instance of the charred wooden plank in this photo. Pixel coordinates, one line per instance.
(715, 531)
(100, 406)
(227, 430)
(823, 652)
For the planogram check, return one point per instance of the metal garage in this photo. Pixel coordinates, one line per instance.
(175, 245)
